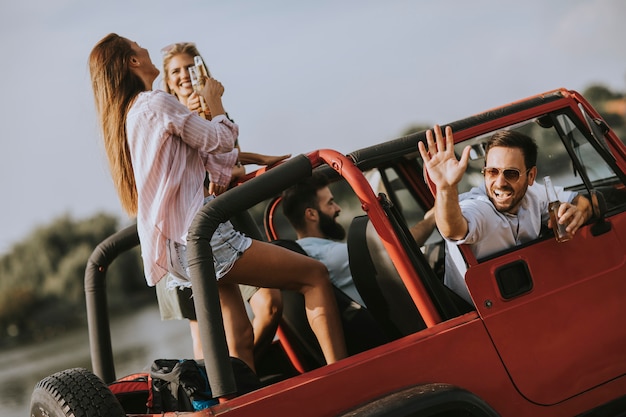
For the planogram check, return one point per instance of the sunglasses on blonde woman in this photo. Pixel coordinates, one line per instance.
(512, 175)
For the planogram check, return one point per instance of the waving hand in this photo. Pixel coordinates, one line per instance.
(440, 161)
(446, 172)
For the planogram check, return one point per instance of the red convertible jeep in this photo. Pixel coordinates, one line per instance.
(542, 337)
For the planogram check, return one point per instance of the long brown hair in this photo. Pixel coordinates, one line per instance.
(115, 87)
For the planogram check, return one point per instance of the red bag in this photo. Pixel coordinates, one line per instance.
(134, 392)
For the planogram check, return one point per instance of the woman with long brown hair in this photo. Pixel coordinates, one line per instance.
(159, 152)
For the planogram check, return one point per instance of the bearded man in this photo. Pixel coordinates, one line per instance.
(312, 210)
(507, 210)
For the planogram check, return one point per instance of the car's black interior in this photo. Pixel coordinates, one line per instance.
(378, 282)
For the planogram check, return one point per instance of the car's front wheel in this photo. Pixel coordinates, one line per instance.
(74, 393)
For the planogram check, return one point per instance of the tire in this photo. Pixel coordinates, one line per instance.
(74, 393)
(429, 400)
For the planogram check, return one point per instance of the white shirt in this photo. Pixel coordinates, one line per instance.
(171, 148)
(491, 231)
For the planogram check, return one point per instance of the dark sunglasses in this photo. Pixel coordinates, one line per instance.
(510, 174)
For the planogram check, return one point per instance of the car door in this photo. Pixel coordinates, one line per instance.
(553, 310)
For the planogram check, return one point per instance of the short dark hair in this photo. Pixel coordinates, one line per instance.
(514, 139)
(299, 197)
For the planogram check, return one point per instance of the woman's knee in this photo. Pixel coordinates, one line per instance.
(316, 278)
(276, 302)
(267, 303)
(319, 273)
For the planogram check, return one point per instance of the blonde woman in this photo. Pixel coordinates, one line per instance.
(266, 303)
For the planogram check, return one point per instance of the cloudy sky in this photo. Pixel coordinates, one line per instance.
(298, 76)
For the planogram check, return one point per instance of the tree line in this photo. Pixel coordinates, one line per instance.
(42, 279)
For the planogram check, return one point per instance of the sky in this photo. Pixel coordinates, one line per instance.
(298, 76)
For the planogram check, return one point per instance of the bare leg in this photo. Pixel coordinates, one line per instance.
(267, 320)
(267, 265)
(237, 326)
(267, 306)
(195, 339)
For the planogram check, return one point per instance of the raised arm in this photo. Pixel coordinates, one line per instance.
(446, 172)
(260, 159)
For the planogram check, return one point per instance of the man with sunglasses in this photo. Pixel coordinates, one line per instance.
(507, 210)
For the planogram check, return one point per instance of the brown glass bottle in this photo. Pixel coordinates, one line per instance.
(560, 233)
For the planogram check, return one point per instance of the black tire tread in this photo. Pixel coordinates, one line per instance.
(74, 392)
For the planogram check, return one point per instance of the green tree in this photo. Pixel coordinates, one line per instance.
(598, 94)
(414, 128)
(42, 277)
(603, 100)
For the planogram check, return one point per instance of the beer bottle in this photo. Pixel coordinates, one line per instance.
(560, 233)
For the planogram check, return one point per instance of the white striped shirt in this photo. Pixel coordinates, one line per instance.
(171, 148)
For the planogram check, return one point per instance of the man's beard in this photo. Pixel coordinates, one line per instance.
(513, 205)
(330, 228)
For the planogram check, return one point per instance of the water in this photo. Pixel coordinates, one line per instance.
(138, 339)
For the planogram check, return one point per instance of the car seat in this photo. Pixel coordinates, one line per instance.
(380, 285)
(378, 282)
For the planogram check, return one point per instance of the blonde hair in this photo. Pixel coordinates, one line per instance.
(170, 51)
(115, 87)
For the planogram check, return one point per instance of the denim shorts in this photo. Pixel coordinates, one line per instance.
(227, 245)
(174, 292)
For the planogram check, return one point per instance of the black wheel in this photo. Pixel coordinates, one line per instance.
(74, 393)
